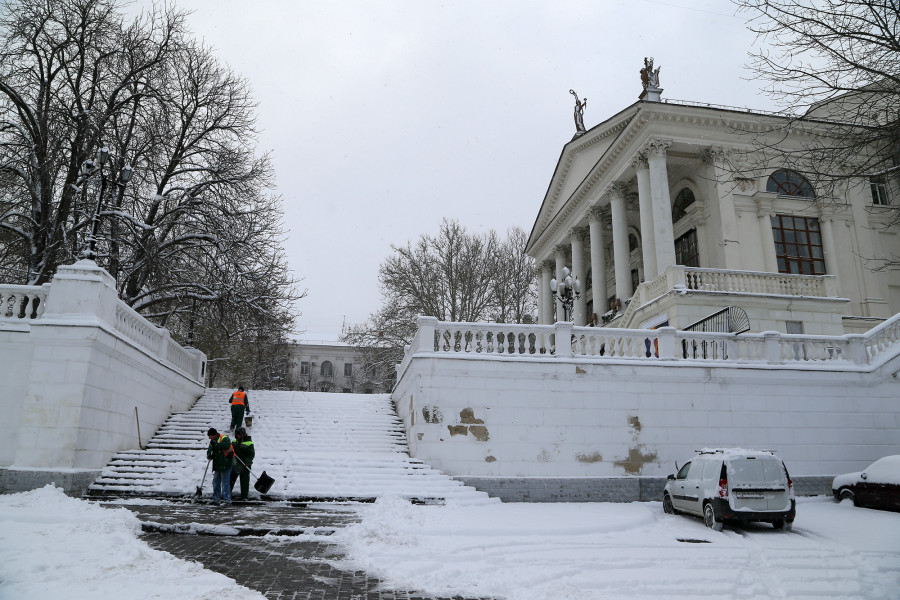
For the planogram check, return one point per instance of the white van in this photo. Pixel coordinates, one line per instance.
(733, 484)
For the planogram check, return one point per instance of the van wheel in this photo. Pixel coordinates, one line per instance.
(779, 524)
(667, 505)
(847, 495)
(709, 517)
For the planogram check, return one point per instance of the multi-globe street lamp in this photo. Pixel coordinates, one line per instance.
(566, 291)
(93, 168)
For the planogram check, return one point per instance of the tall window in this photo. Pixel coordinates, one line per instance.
(879, 191)
(635, 279)
(632, 242)
(785, 182)
(684, 199)
(798, 245)
(304, 368)
(327, 369)
(348, 369)
(686, 250)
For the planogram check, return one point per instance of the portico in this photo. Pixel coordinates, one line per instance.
(665, 183)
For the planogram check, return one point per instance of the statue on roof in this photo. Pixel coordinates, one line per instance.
(649, 77)
(579, 114)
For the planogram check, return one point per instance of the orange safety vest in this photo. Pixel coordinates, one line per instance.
(238, 398)
(230, 452)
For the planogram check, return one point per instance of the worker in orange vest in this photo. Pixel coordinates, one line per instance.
(240, 402)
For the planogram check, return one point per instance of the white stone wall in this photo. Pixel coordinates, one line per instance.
(579, 417)
(75, 375)
(15, 361)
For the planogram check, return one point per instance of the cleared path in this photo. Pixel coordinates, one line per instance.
(317, 446)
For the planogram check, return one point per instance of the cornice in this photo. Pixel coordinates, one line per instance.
(630, 127)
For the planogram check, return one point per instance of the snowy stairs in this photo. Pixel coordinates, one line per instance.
(317, 446)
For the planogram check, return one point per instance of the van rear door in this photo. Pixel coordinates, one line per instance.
(757, 483)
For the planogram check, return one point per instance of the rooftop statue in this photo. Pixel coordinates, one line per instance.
(579, 114)
(649, 77)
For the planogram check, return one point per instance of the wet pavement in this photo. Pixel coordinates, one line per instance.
(281, 550)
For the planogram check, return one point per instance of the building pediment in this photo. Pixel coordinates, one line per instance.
(576, 162)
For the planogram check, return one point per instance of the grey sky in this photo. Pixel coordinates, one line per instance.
(385, 116)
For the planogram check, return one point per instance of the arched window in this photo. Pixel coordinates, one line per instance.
(327, 369)
(632, 242)
(684, 199)
(785, 182)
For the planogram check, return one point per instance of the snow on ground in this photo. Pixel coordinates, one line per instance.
(54, 546)
(629, 551)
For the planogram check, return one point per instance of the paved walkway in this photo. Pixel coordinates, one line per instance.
(296, 561)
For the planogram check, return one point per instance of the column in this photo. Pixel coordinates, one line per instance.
(579, 308)
(545, 295)
(560, 263)
(828, 245)
(645, 202)
(767, 240)
(598, 261)
(664, 238)
(722, 172)
(620, 242)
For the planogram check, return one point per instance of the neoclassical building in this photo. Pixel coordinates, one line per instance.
(668, 216)
(319, 366)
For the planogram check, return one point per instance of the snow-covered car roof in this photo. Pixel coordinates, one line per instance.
(733, 452)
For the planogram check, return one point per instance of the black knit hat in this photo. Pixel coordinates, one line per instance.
(212, 431)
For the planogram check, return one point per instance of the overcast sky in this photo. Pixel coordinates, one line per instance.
(383, 116)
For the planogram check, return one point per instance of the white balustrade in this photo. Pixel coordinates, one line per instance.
(22, 302)
(604, 343)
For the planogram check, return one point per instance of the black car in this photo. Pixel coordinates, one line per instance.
(878, 486)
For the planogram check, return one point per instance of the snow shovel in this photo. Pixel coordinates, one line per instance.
(200, 487)
(263, 482)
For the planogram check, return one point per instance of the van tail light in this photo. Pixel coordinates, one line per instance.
(723, 488)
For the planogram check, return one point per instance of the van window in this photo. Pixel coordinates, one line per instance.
(756, 470)
(683, 472)
(711, 470)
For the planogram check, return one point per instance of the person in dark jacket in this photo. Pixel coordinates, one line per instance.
(240, 401)
(245, 452)
(221, 453)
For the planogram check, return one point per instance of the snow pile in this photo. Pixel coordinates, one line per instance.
(629, 551)
(54, 546)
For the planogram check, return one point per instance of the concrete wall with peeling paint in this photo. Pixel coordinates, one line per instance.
(476, 416)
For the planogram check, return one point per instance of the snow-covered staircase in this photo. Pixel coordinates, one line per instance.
(317, 446)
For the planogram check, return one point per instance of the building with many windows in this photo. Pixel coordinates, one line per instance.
(667, 215)
(337, 367)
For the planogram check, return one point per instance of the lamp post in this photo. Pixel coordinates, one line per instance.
(92, 168)
(566, 291)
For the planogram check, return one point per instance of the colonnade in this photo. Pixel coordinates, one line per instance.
(657, 239)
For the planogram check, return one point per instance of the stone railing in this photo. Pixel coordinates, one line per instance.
(22, 303)
(695, 279)
(156, 341)
(484, 340)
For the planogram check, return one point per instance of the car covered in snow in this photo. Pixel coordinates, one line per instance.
(878, 486)
(732, 484)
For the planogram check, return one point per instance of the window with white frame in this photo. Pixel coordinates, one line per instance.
(878, 185)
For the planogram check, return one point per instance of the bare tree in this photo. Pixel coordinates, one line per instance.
(454, 276)
(196, 234)
(839, 59)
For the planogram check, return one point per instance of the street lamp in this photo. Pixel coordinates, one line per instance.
(566, 291)
(91, 168)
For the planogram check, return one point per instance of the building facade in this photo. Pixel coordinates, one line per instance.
(667, 215)
(336, 367)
